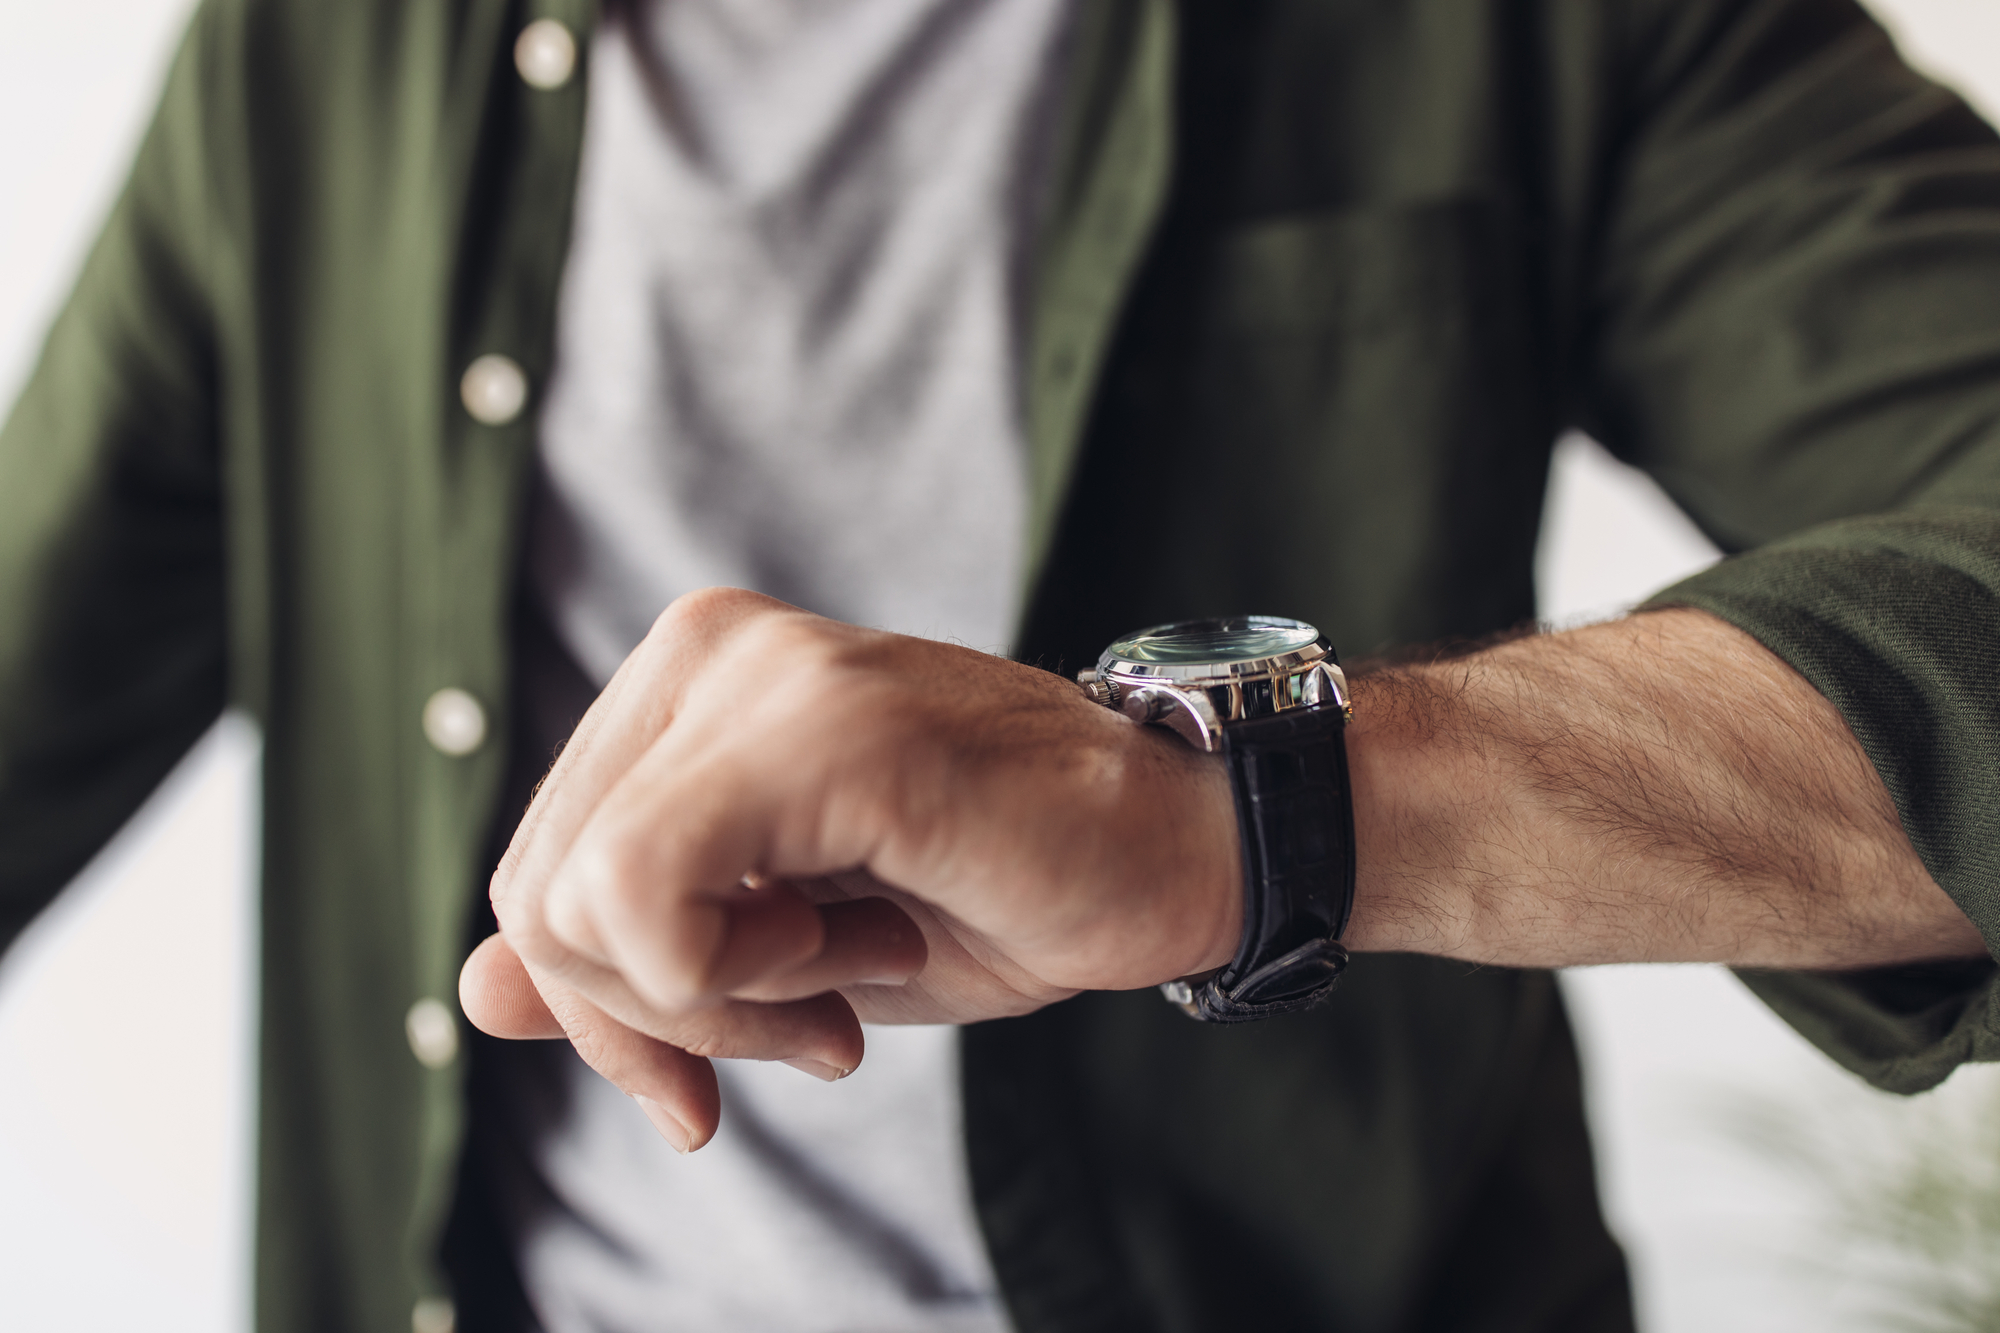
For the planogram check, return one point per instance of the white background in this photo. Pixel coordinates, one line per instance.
(126, 1023)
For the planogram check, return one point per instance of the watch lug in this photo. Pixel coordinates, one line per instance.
(1190, 715)
(1326, 683)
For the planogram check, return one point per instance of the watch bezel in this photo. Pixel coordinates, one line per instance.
(1292, 662)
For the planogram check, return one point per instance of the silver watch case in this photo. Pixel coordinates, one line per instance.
(1197, 700)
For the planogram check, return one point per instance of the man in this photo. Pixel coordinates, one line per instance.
(1308, 289)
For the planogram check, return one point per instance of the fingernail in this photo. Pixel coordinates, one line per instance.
(673, 1131)
(889, 979)
(820, 1069)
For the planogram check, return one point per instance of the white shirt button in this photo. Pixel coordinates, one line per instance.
(433, 1033)
(433, 1314)
(545, 53)
(454, 722)
(494, 389)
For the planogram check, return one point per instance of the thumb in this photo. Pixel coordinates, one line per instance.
(498, 996)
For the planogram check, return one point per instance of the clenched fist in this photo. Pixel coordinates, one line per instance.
(771, 826)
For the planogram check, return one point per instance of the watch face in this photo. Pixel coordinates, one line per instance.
(1221, 642)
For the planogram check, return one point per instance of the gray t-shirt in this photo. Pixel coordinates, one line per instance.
(788, 349)
(789, 329)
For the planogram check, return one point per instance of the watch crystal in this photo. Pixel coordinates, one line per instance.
(1221, 640)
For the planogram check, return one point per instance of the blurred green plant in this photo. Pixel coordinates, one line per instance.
(1910, 1187)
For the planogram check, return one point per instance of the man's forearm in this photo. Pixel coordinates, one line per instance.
(1660, 788)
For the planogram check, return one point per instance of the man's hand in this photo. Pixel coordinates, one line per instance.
(707, 869)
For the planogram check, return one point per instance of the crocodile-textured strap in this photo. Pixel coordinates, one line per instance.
(1295, 812)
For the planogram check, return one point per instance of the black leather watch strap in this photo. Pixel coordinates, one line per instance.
(1295, 812)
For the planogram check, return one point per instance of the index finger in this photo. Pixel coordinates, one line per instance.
(631, 713)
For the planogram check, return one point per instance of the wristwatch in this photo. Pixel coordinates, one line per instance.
(1269, 694)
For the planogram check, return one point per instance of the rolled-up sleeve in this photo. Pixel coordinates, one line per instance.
(1796, 329)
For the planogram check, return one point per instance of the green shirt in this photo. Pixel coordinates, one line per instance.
(1322, 281)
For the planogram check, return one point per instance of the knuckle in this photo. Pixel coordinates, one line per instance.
(804, 644)
(501, 881)
(620, 872)
(702, 611)
(531, 938)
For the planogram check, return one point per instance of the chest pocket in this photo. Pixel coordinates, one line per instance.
(1337, 415)
(1372, 375)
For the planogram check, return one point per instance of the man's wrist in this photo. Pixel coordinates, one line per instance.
(1218, 883)
(1198, 913)
(1417, 790)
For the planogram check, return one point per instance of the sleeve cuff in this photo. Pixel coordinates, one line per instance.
(1904, 1029)
(1895, 618)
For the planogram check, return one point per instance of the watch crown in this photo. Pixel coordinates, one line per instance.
(1100, 691)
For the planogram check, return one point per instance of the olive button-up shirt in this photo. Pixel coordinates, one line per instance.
(1320, 283)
